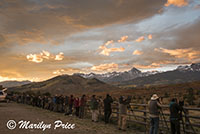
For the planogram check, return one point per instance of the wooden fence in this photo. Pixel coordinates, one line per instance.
(139, 114)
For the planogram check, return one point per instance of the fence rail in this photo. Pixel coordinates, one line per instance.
(138, 113)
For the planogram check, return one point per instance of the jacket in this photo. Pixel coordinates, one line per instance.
(107, 103)
(174, 111)
(94, 104)
(154, 107)
(123, 106)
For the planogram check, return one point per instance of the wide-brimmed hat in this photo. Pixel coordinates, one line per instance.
(154, 97)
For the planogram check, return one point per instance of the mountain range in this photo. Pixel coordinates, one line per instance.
(137, 78)
(113, 77)
(7, 84)
(67, 84)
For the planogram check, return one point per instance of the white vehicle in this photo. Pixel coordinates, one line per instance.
(3, 95)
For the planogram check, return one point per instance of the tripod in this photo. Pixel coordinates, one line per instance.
(163, 116)
(187, 118)
(182, 121)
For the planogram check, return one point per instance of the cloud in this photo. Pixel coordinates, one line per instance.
(140, 39)
(150, 36)
(68, 70)
(38, 58)
(187, 53)
(59, 72)
(45, 54)
(137, 52)
(108, 43)
(105, 67)
(59, 56)
(178, 3)
(51, 21)
(153, 65)
(123, 39)
(106, 51)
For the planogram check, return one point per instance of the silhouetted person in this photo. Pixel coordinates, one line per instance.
(55, 103)
(154, 113)
(123, 104)
(94, 108)
(71, 103)
(107, 108)
(175, 110)
(66, 104)
(82, 106)
(76, 106)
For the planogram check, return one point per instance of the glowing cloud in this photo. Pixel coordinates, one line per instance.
(178, 3)
(137, 52)
(38, 58)
(45, 54)
(123, 39)
(59, 56)
(153, 65)
(149, 36)
(187, 53)
(106, 51)
(105, 67)
(140, 39)
(58, 72)
(109, 42)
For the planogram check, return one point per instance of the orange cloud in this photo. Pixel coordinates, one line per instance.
(38, 58)
(106, 51)
(45, 54)
(123, 39)
(149, 36)
(178, 3)
(140, 39)
(59, 56)
(187, 53)
(105, 67)
(137, 52)
(153, 65)
(66, 71)
(109, 42)
(58, 72)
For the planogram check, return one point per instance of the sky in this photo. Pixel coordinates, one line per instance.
(40, 39)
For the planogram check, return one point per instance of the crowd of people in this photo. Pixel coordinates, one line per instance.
(78, 106)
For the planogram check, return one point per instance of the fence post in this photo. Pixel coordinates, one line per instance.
(145, 119)
(186, 112)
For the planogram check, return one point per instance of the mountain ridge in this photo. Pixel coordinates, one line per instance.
(13, 83)
(66, 84)
(136, 77)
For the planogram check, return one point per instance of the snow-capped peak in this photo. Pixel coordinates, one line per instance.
(192, 67)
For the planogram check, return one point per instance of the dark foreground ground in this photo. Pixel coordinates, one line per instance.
(17, 112)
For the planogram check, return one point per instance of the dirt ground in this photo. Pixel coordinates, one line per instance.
(18, 112)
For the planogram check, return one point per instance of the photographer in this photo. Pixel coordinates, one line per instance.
(123, 103)
(175, 110)
(154, 106)
(107, 108)
(94, 104)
